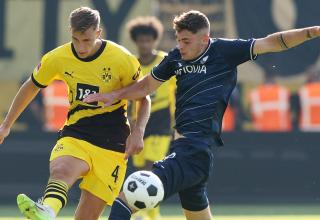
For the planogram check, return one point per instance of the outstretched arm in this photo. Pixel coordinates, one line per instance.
(135, 91)
(24, 96)
(284, 40)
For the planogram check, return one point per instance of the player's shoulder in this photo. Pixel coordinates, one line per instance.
(230, 41)
(57, 52)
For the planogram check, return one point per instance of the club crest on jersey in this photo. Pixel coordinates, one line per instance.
(106, 74)
(191, 69)
(204, 59)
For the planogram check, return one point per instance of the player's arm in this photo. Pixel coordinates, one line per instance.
(284, 40)
(138, 90)
(24, 96)
(134, 143)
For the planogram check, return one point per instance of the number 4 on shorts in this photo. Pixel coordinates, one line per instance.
(115, 173)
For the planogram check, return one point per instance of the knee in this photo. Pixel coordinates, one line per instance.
(60, 171)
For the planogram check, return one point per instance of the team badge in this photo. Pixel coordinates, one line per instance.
(106, 74)
(204, 59)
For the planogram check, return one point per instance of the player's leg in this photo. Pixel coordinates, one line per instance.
(102, 184)
(156, 148)
(194, 202)
(64, 171)
(90, 207)
(196, 215)
(177, 171)
(120, 210)
(68, 163)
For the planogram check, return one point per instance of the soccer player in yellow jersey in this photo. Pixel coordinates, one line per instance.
(146, 32)
(95, 141)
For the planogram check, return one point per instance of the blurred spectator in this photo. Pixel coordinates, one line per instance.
(56, 104)
(234, 114)
(270, 105)
(146, 33)
(307, 102)
(33, 117)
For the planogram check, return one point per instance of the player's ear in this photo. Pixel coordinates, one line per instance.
(99, 31)
(206, 38)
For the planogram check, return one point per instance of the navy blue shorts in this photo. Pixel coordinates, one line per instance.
(186, 170)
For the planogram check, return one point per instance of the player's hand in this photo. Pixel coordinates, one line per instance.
(134, 143)
(314, 31)
(4, 132)
(106, 98)
(317, 30)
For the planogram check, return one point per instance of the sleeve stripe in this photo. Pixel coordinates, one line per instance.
(253, 56)
(36, 83)
(152, 74)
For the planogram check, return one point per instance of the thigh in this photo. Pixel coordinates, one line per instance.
(186, 166)
(105, 178)
(68, 169)
(90, 207)
(69, 161)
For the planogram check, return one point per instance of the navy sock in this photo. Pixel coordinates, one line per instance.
(119, 211)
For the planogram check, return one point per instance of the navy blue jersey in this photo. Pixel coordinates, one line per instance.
(204, 85)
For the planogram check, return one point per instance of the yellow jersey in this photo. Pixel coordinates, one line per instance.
(112, 67)
(162, 102)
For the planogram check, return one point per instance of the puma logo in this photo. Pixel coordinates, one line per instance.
(69, 74)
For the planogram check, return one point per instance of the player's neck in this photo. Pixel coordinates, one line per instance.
(146, 59)
(203, 49)
(200, 52)
(96, 47)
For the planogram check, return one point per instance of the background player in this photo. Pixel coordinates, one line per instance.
(93, 142)
(146, 33)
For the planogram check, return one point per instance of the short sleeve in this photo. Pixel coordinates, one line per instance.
(236, 51)
(131, 70)
(45, 72)
(164, 70)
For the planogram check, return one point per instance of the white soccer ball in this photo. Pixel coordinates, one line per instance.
(143, 190)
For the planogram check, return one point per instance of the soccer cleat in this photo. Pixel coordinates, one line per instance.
(33, 210)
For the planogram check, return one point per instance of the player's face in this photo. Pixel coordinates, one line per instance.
(191, 45)
(145, 44)
(86, 43)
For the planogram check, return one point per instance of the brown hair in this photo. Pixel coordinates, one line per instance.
(83, 18)
(145, 26)
(192, 21)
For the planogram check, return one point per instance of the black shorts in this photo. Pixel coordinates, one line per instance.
(186, 170)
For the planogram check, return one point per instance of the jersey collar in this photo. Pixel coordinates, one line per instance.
(199, 57)
(94, 56)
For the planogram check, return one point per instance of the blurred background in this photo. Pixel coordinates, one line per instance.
(272, 124)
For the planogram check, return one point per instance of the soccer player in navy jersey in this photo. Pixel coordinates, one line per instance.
(206, 72)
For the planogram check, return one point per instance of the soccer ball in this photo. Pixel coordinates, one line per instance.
(143, 190)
